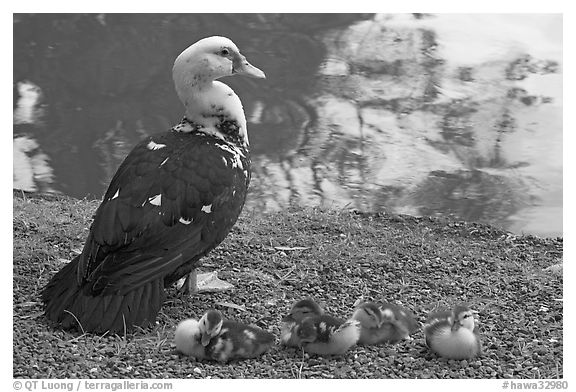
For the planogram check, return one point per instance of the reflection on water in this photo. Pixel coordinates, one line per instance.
(32, 171)
(421, 114)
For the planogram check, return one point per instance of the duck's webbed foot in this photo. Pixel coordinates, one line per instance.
(202, 283)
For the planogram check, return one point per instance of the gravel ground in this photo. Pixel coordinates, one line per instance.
(514, 282)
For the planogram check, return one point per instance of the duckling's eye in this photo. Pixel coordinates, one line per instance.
(224, 52)
(466, 316)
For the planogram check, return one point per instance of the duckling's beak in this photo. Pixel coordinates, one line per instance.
(241, 66)
(456, 325)
(206, 339)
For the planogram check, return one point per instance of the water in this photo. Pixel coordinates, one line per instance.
(419, 114)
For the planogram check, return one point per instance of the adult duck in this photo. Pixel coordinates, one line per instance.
(173, 199)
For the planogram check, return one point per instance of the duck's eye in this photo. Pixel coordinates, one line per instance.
(224, 52)
(466, 316)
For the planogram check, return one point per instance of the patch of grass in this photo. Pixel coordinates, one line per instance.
(337, 257)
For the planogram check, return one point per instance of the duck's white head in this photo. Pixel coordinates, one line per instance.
(212, 58)
(208, 101)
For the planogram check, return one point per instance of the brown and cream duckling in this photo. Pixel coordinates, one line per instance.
(300, 310)
(221, 340)
(453, 334)
(384, 323)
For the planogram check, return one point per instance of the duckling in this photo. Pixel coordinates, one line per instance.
(221, 340)
(327, 335)
(299, 311)
(453, 334)
(384, 323)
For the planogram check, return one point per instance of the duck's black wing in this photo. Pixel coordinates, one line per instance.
(173, 199)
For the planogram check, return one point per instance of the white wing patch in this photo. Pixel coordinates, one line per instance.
(164, 161)
(185, 221)
(116, 194)
(207, 209)
(156, 200)
(184, 127)
(154, 146)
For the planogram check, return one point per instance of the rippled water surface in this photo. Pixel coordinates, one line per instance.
(420, 114)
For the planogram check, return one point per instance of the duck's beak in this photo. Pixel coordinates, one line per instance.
(241, 66)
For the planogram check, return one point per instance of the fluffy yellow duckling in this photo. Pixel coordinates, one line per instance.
(384, 323)
(327, 335)
(299, 311)
(221, 340)
(453, 334)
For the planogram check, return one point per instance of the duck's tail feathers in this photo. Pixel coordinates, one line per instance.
(67, 304)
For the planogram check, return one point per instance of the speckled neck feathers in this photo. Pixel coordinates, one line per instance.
(214, 109)
(226, 130)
